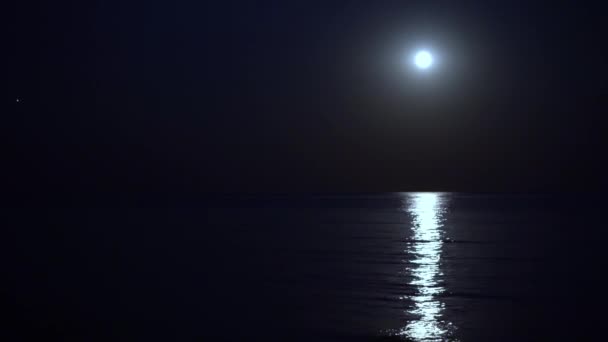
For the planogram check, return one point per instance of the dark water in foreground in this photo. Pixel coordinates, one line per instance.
(411, 266)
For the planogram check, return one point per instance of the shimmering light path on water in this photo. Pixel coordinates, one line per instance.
(427, 211)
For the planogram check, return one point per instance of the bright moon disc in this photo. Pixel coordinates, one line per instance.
(423, 59)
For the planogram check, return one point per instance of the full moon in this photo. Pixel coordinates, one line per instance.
(423, 59)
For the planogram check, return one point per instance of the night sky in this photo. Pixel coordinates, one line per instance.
(280, 96)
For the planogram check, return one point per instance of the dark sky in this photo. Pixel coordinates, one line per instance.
(196, 96)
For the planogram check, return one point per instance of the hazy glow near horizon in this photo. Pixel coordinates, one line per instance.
(423, 59)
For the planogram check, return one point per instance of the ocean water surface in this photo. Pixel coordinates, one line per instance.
(356, 267)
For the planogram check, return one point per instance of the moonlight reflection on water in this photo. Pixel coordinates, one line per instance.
(424, 250)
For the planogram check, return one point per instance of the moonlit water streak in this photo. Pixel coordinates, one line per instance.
(427, 211)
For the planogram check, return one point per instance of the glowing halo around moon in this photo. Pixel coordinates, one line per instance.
(423, 59)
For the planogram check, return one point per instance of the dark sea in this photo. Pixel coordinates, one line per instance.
(366, 267)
